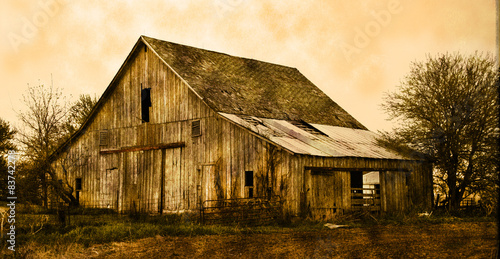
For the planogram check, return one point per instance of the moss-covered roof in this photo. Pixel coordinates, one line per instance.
(244, 86)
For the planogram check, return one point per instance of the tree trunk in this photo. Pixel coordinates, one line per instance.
(452, 190)
(44, 189)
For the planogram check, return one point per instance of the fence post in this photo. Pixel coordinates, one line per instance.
(202, 213)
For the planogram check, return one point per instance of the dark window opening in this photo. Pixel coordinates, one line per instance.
(248, 178)
(145, 48)
(103, 138)
(250, 192)
(357, 182)
(78, 184)
(195, 128)
(145, 103)
(77, 197)
(356, 179)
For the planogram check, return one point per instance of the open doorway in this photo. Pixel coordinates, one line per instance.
(365, 190)
(371, 180)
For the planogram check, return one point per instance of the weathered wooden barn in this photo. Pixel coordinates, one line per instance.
(179, 125)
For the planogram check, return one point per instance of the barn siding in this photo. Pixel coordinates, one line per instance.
(396, 193)
(137, 179)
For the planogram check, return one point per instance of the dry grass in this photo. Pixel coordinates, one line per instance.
(443, 240)
(117, 236)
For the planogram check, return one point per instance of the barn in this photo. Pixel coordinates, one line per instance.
(179, 125)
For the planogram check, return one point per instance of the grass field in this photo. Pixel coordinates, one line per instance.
(365, 236)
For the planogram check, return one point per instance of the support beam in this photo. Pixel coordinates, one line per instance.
(348, 169)
(143, 148)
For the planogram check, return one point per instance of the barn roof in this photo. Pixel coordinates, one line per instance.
(244, 86)
(275, 102)
(300, 137)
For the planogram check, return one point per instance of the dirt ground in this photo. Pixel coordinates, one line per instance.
(457, 240)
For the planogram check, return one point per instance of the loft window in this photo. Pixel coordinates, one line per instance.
(145, 103)
(103, 138)
(78, 184)
(249, 178)
(195, 128)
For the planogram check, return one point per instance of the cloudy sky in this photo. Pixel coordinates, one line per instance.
(354, 50)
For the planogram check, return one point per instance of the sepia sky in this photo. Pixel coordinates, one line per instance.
(354, 51)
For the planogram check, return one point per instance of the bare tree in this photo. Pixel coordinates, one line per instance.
(48, 121)
(78, 113)
(42, 124)
(447, 107)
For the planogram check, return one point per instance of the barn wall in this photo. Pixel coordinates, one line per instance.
(242, 151)
(133, 179)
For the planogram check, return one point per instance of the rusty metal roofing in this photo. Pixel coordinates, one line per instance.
(318, 140)
(238, 85)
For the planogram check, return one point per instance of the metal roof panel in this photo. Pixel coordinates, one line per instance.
(336, 141)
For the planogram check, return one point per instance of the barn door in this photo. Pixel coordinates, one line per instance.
(206, 180)
(394, 190)
(110, 188)
(173, 199)
(325, 193)
(129, 201)
(108, 182)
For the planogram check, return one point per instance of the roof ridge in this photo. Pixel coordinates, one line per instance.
(218, 52)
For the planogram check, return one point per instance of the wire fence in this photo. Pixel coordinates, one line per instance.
(169, 204)
(245, 211)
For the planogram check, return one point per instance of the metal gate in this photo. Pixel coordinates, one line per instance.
(245, 211)
(365, 199)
